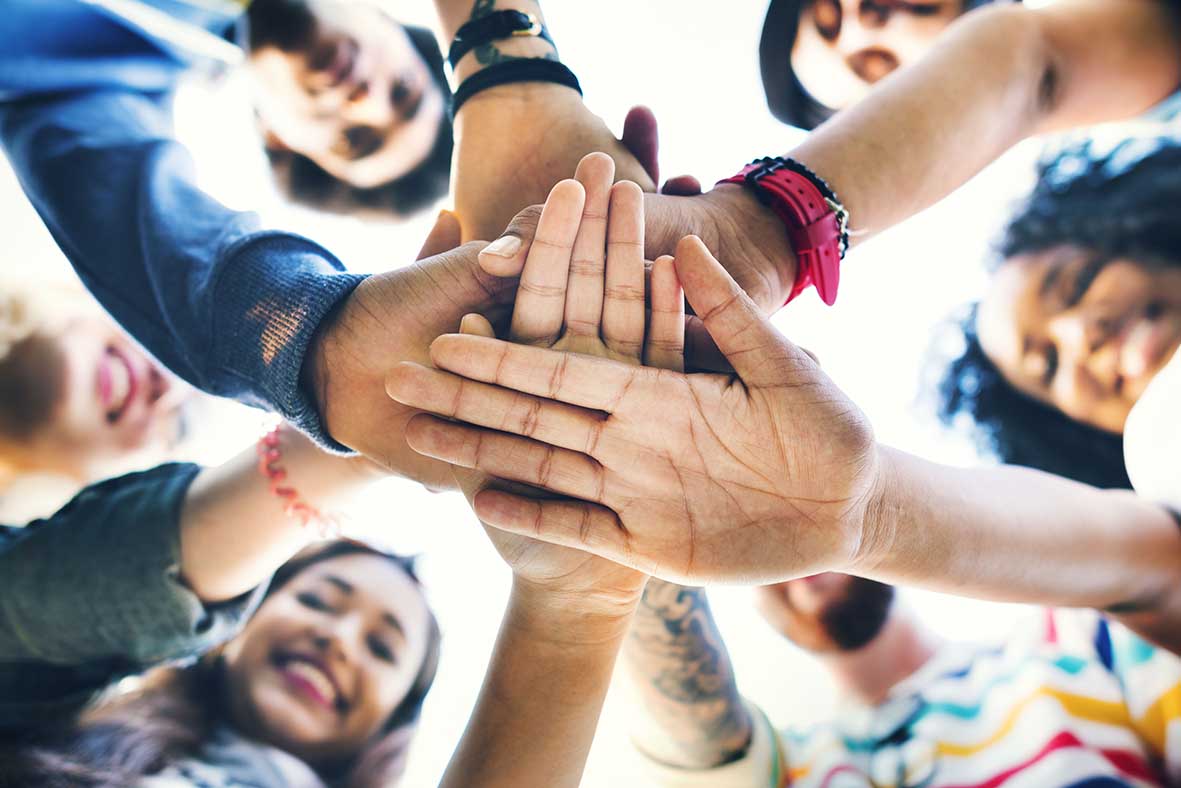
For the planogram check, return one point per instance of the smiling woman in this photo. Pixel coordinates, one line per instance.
(1083, 313)
(324, 685)
(77, 396)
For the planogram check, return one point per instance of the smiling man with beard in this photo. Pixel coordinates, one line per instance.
(1071, 700)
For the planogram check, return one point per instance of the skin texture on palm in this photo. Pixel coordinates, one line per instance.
(752, 477)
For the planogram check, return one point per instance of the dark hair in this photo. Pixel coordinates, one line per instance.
(174, 710)
(787, 98)
(31, 373)
(288, 25)
(1122, 203)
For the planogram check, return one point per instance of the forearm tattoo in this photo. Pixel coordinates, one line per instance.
(679, 659)
(490, 54)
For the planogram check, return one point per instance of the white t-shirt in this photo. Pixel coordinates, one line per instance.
(1152, 438)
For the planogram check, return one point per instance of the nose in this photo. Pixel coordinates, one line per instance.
(341, 641)
(1084, 350)
(370, 106)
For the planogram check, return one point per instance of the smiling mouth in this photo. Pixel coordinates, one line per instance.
(311, 679)
(117, 384)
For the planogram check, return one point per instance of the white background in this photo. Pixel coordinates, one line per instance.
(695, 64)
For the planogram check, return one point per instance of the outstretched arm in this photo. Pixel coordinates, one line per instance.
(772, 473)
(147, 568)
(692, 715)
(997, 76)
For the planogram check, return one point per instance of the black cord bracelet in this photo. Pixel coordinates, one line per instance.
(508, 72)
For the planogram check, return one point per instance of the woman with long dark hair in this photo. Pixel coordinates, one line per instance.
(315, 676)
(1082, 316)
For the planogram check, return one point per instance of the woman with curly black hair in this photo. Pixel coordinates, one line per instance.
(1083, 313)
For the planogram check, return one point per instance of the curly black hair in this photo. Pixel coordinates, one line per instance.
(1123, 203)
(287, 25)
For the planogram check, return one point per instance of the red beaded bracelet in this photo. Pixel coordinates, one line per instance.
(269, 455)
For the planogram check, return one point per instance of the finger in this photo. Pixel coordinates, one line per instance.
(445, 235)
(664, 344)
(682, 186)
(484, 405)
(759, 354)
(701, 352)
(477, 325)
(506, 255)
(641, 139)
(584, 293)
(575, 379)
(578, 524)
(541, 295)
(623, 298)
(507, 456)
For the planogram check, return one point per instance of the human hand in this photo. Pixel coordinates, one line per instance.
(754, 477)
(516, 141)
(582, 291)
(739, 230)
(389, 318)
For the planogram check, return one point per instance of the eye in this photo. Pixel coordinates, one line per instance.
(1051, 357)
(310, 600)
(827, 16)
(382, 651)
(921, 9)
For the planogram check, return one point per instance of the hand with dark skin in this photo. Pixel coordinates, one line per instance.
(389, 318)
(750, 477)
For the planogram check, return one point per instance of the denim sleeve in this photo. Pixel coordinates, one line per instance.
(85, 119)
(93, 594)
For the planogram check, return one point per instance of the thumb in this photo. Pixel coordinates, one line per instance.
(759, 354)
(506, 255)
(443, 237)
(642, 140)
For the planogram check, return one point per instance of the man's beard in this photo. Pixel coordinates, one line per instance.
(857, 618)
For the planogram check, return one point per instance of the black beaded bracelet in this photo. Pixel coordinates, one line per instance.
(508, 72)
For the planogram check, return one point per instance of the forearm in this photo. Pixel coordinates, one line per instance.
(995, 78)
(535, 718)
(693, 716)
(1017, 535)
(235, 532)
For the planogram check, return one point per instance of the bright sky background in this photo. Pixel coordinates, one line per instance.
(695, 64)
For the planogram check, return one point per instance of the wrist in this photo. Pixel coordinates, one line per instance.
(571, 619)
(877, 518)
(758, 224)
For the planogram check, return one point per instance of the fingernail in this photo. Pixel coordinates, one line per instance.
(504, 246)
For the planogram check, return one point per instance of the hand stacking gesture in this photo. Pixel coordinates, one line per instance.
(756, 476)
(582, 291)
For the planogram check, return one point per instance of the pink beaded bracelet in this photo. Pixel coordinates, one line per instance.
(269, 456)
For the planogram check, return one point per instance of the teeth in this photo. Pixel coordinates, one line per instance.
(314, 676)
(120, 383)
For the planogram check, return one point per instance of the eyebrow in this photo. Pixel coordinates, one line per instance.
(1049, 280)
(392, 620)
(345, 586)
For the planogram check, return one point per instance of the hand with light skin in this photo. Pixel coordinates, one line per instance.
(582, 291)
(750, 477)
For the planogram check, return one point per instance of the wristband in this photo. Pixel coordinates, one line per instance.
(493, 27)
(816, 222)
(510, 71)
(270, 454)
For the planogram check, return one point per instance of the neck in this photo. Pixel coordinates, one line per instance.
(901, 648)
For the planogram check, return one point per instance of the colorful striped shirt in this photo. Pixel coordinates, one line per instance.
(1076, 701)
